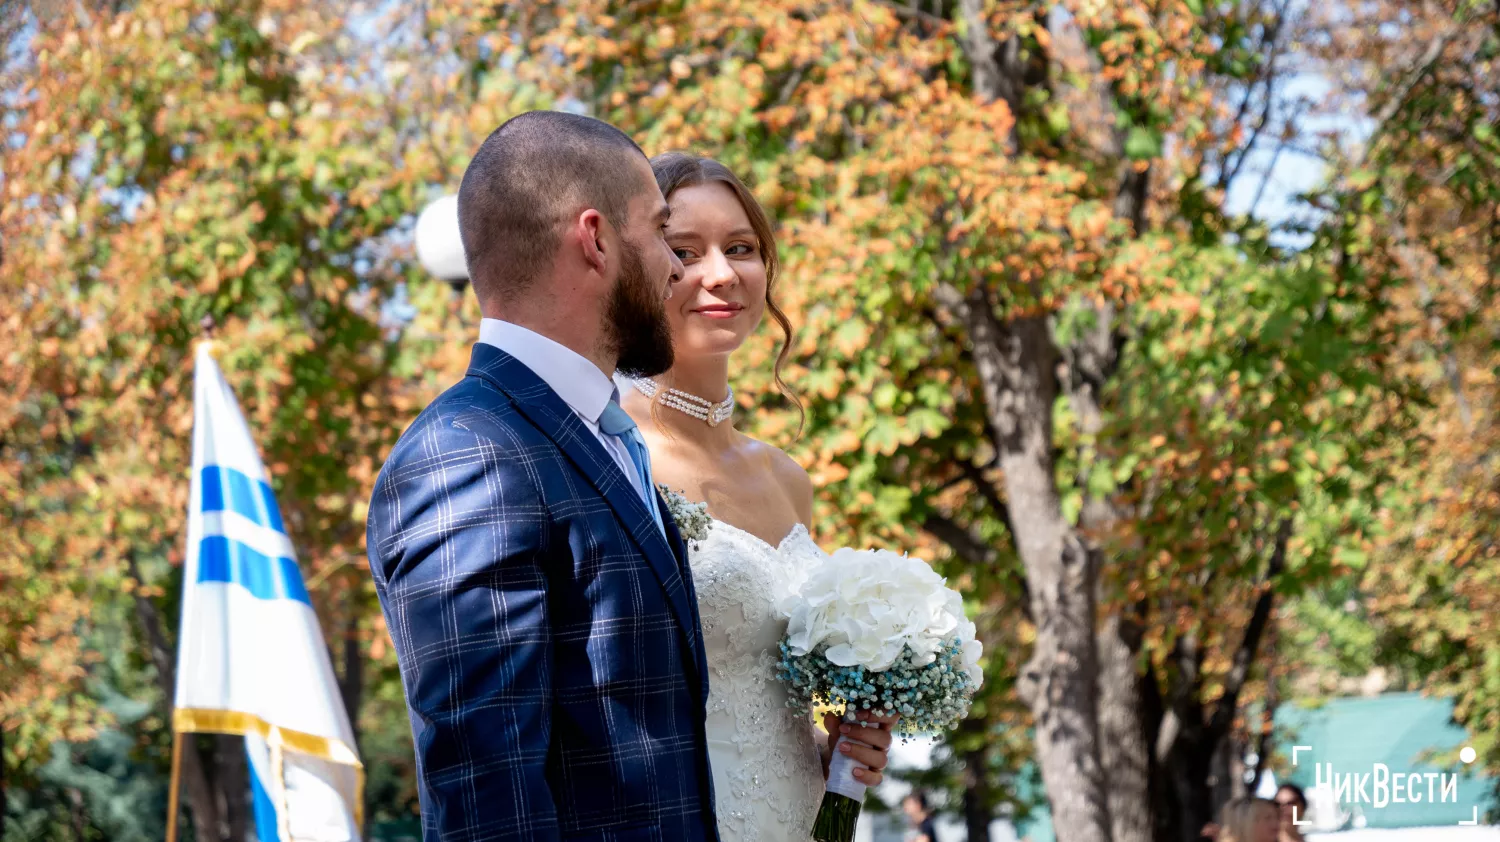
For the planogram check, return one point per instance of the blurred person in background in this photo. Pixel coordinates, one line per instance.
(919, 816)
(1250, 820)
(1229, 816)
(1291, 801)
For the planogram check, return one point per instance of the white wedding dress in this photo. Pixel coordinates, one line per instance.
(768, 772)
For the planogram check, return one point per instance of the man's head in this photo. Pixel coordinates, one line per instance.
(562, 223)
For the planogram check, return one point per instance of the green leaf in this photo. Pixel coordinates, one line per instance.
(1058, 121)
(1072, 504)
(1142, 144)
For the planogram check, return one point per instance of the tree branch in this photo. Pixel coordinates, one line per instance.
(909, 13)
(1244, 657)
(1404, 88)
(156, 640)
(1179, 715)
(975, 474)
(964, 543)
(976, 553)
(1267, 77)
(982, 51)
(1265, 181)
(1268, 720)
(200, 798)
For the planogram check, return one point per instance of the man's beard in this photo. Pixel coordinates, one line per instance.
(636, 319)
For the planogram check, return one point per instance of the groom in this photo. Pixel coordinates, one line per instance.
(534, 584)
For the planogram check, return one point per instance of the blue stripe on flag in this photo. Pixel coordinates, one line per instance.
(222, 559)
(225, 489)
(267, 828)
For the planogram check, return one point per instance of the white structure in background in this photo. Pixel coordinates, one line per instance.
(440, 249)
(1325, 812)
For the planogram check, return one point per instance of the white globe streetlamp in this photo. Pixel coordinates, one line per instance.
(440, 250)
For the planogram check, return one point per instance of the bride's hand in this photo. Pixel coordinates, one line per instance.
(871, 743)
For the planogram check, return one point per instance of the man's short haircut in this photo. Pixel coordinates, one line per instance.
(528, 179)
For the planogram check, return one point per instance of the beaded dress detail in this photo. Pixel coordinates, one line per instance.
(768, 773)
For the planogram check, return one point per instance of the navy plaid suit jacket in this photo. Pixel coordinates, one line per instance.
(547, 631)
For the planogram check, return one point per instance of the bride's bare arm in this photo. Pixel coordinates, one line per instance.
(799, 487)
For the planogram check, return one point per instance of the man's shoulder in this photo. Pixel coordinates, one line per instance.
(472, 448)
(469, 412)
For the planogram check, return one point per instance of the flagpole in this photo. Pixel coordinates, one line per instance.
(172, 787)
(175, 781)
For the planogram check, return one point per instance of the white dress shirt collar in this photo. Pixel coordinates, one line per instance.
(575, 379)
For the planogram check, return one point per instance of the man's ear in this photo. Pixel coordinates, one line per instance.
(593, 235)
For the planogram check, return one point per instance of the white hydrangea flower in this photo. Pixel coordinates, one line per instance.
(867, 606)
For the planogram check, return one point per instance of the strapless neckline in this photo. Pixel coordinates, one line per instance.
(797, 529)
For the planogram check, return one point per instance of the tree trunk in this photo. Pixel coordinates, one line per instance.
(1124, 753)
(1267, 739)
(352, 682)
(198, 795)
(1195, 744)
(1018, 369)
(1166, 812)
(78, 816)
(1122, 732)
(1192, 772)
(977, 795)
(232, 780)
(1227, 783)
(1179, 744)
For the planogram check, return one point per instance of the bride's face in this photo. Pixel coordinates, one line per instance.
(722, 294)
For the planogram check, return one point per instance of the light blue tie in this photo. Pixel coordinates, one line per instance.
(616, 422)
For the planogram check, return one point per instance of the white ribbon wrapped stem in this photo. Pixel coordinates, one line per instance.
(841, 767)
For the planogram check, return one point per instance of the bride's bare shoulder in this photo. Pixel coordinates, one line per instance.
(791, 476)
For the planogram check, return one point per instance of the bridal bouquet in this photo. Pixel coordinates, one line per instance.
(876, 631)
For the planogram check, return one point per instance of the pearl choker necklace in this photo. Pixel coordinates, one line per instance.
(711, 413)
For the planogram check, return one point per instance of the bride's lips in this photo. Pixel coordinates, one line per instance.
(719, 311)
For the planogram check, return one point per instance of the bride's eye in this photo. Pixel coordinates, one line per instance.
(740, 250)
(683, 254)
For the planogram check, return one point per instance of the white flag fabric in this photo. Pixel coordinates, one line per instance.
(251, 658)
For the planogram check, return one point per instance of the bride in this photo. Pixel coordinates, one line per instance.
(768, 765)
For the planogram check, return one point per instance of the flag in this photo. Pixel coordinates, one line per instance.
(251, 658)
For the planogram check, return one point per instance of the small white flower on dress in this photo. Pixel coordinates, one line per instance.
(692, 518)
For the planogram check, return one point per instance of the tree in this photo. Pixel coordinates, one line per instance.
(183, 160)
(1432, 168)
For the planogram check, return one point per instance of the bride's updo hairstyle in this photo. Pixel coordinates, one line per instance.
(676, 170)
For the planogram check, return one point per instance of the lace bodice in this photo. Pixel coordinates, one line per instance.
(768, 775)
